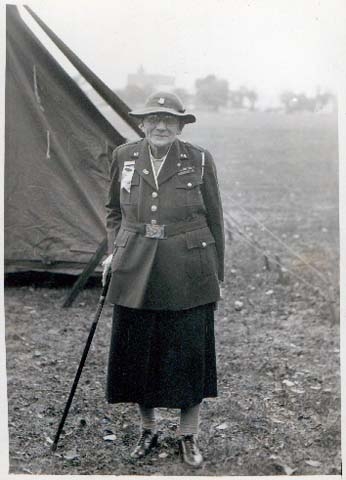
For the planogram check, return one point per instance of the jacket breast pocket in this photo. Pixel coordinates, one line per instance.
(119, 249)
(188, 190)
(132, 196)
(202, 257)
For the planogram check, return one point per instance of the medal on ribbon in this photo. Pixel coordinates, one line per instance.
(126, 175)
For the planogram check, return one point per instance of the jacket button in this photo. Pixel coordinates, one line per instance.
(189, 184)
(153, 208)
(204, 244)
(178, 164)
(154, 194)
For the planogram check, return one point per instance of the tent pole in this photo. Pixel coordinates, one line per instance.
(101, 88)
(88, 270)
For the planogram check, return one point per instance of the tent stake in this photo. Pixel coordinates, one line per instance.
(266, 262)
(279, 269)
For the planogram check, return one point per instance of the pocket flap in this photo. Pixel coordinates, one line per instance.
(187, 182)
(199, 238)
(122, 238)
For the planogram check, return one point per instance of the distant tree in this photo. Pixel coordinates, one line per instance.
(324, 99)
(211, 92)
(288, 98)
(252, 97)
(300, 102)
(236, 98)
(305, 103)
(242, 96)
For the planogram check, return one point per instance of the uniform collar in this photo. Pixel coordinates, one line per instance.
(171, 166)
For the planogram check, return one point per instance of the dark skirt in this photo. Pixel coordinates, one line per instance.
(162, 358)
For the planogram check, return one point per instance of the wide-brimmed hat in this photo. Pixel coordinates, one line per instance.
(164, 102)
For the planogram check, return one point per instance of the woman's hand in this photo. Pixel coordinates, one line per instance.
(221, 290)
(106, 266)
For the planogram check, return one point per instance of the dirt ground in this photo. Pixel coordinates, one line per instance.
(277, 339)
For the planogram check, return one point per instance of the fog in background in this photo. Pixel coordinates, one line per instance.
(267, 45)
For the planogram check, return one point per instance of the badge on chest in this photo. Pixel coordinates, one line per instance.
(127, 174)
(186, 170)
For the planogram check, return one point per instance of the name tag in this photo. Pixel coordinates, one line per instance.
(126, 175)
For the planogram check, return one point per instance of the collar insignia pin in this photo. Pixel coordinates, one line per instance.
(145, 171)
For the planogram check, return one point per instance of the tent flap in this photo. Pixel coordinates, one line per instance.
(57, 153)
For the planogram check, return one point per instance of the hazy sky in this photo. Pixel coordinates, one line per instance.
(267, 44)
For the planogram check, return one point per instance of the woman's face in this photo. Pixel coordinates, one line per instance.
(161, 129)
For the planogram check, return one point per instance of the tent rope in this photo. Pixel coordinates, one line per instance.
(288, 248)
(250, 242)
(38, 98)
(48, 144)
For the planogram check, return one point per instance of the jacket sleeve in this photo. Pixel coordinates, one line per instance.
(113, 215)
(212, 200)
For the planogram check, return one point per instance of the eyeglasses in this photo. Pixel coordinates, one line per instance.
(155, 119)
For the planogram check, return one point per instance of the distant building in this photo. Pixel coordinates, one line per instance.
(144, 80)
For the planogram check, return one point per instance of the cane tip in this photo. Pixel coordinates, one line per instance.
(54, 447)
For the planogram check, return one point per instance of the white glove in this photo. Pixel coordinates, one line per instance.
(106, 266)
(222, 291)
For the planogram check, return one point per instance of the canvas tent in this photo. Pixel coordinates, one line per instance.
(57, 152)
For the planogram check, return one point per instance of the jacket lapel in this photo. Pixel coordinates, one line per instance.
(143, 164)
(170, 167)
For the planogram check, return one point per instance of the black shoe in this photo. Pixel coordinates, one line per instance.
(146, 442)
(189, 451)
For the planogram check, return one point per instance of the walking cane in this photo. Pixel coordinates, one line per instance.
(82, 362)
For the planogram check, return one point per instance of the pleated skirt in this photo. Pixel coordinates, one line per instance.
(162, 358)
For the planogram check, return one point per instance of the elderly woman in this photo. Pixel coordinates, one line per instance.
(166, 247)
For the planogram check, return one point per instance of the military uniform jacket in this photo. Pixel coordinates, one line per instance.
(167, 240)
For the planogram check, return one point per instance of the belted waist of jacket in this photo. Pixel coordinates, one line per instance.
(164, 231)
(167, 236)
